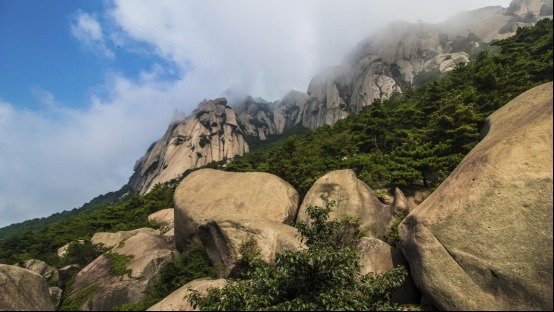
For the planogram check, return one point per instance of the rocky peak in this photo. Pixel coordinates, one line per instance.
(393, 56)
(210, 133)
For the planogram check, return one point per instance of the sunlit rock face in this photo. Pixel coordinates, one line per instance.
(392, 57)
(211, 133)
(215, 132)
(483, 239)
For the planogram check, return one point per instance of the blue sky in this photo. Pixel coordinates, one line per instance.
(87, 86)
(39, 52)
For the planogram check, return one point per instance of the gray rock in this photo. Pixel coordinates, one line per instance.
(211, 133)
(55, 295)
(50, 273)
(23, 290)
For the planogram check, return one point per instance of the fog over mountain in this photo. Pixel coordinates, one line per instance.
(57, 157)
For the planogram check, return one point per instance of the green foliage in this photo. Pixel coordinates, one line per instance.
(249, 252)
(119, 263)
(76, 303)
(113, 214)
(392, 238)
(130, 307)
(82, 253)
(192, 264)
(326, 276)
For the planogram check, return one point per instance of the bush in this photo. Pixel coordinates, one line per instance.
(326, 276)
(192, 264)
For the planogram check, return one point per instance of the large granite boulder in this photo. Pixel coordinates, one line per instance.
(23, 290)
(207, 193)
(223, 235)
(110, 240)
(162, 217)
(483, 239)
(178, 300)
(352, 198)
(99, 287)
(376, 256)
(49, 272)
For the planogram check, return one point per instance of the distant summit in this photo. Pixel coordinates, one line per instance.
(398, 56)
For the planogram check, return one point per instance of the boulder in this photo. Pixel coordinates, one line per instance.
(379, 257)
(162, 217)
(23, 290)
(223, 235)
(55, 295)
(63, 250)
(483, 239)
(376, 256)
(110, 240)
(400, 205)
(98, 287)
(352, 197)
(50, 273)
(178, 300)
(207, 193)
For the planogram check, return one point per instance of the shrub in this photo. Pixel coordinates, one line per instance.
(326, 276)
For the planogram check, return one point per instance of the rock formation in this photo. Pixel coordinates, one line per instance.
(23, 290)
(98, 287)
(211, 133)
(352, 198)
(110, 240)
(162, 217)
(207, 193)
(178, 300)
(483, 239)
(50, 273)
(223, 235)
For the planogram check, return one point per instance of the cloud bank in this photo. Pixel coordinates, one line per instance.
(57, 158)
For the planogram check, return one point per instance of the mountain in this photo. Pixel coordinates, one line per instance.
(397, 57)
(495, 177)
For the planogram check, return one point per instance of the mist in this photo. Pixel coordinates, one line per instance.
(57, 158)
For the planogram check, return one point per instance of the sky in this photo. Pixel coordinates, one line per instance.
(87, 86)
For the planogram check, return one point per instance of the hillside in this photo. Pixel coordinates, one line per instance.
(411, 140)
(420, 139)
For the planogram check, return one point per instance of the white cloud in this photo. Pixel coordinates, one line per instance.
(264, 47)
(58, 158)
(88, 31)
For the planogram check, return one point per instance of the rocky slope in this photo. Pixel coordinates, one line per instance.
(483, 239)
(379, 66)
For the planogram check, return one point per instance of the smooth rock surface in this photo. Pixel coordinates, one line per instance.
(352, 197)
(483, 239)
(207, 193)
(110, 240)
(178, 300)
(148, 254)
(23, 290)
(223, 235)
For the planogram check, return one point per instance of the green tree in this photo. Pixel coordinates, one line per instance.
(325, 276)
